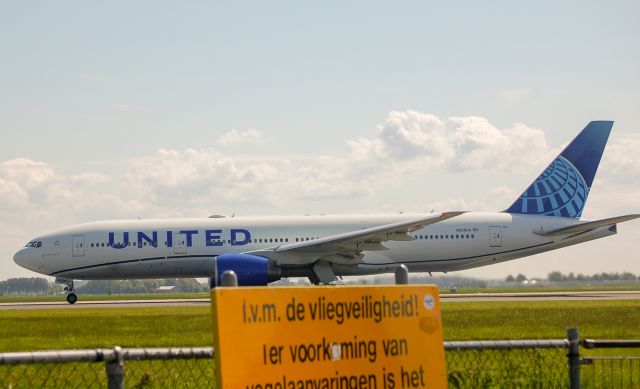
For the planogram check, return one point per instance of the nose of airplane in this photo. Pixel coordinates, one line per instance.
(18, 257)
(21, 258)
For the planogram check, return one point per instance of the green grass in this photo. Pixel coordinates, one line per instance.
(531, 320)
(614, 319)
(22, 330)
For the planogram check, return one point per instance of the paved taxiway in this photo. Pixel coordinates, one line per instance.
(496, 297)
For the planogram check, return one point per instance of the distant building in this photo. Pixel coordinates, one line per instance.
(167, 289)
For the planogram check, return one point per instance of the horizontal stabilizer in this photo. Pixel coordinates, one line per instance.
(588, 226)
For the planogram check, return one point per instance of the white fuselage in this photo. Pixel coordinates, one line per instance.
(166, 248)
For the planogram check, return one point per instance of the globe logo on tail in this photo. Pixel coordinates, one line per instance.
(559, 191)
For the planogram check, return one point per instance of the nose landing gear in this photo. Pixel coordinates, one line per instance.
(71, 295)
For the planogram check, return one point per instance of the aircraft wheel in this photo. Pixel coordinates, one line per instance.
(72, 298)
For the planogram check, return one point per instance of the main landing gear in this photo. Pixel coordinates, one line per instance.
(71, 295)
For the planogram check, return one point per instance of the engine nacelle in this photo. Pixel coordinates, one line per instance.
(252, 270)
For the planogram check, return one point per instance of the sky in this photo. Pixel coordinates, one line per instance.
(185, 109)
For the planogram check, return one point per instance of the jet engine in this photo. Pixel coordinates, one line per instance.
(252, 270)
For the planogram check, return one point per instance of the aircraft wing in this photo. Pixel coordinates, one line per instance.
(588, 226)
(352, 243)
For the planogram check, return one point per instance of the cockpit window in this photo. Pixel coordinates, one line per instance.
(34, 243)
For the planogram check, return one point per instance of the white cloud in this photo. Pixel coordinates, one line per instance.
(25, 172)
(12, 195)
(90, 178)
(452, 144)
(621, 157)
(196, 181)
(236, 137)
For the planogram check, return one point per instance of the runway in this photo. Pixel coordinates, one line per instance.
(542, 296)
(62, 304)
(445, 298)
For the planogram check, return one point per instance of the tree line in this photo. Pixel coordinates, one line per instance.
(40, 286)
(187, 285)
(33, 285)
(556, 276)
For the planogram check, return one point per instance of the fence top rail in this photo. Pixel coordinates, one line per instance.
(611, 358)
(505, 344)
(107, 355)
(98, 355)
(606, 343)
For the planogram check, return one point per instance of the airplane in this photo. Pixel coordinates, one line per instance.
(264, 249)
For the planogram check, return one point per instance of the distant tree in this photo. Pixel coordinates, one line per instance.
(189, 285)
(33, 285)
(139, 286)
(628, 276)
(555, 276)
(521, 277)
(510, 278)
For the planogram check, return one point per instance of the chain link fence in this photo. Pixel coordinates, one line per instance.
(470, 364)
(507, 364)
(611, 371)
(144, 368)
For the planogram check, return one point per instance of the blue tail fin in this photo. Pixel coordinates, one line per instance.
(562, 189)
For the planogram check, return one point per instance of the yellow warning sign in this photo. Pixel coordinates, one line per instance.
(333, 337)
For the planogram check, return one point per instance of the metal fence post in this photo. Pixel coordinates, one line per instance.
(402, 275)
(229, 278)
(574, 358)
(115, 369)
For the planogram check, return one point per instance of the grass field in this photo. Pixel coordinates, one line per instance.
(22, 330)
